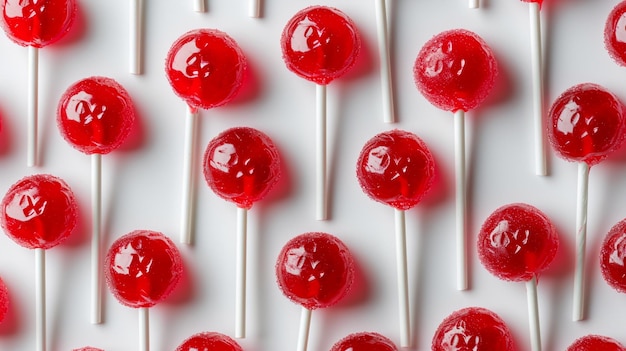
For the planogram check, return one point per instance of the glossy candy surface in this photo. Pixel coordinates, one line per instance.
(615, 33)
(205, 67)
(320, 44)
(473, 328)
(241, 165)
(95, 115)
(4, 300)
(516, 242)
(613, 257)
(595, 343)
(39, 211)
(586, 123)
(396, 168)
(37, 23)
(365, 341)
(209, 341)
(455, 70)
(315, 270)
(142, 268)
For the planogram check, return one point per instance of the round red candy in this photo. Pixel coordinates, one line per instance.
(613, 255)
(473, 328)
(516, 242)
(396, 168)
(315, 270)
(37, 23)
(39, 211)
(4, 300)
(320, 44)
(455, 70)
(540, 2)
(365, 341)
(615, 33)
(209, 341)
(595, 343)
(205, 67)
(241, 165)
(142, 268)
(95, 115)
(586, 123)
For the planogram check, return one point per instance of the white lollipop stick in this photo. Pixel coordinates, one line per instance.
(96, 220)
(473, 4)
(144, 329)
(305, 327)
(385, 65)
(240, 277)
(136, 36)
(189, 152)
(461, 208)
(403, 285)
(198, 6)
(581, 239)
(40, 299)
(320, 155)
(255, 8)
(33, 105)
(533, 314)
(537, 86)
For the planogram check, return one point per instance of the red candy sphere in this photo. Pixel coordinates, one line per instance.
(39, 211)
(396, 168)
(95, 115)
(455, 70)
(615, 33)
(364, 342)
(516, 242)
(586, 123)
(473, 328)
(613, 257)
(205, 67)
(595, 343)
(209, 341)
(142, 268)
(37, 23)
(320, 44)
(315, 270)
(241, 165)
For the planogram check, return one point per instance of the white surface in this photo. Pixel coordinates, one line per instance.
(142, 181)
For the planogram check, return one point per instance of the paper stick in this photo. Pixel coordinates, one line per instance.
(144, 329)
(189, 157)
(320, 155)
(96, 220)
(33, 106)
(403, 285)
(198, 6)
(533, 314)
(581, 239)
(537, 88)
(240, 277)
(40, 299)
(385, 62)
(136, 36)
(473, 4)
(305, 326)
(255, 8)
(461, 202)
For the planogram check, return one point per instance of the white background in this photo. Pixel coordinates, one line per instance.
(142, 180)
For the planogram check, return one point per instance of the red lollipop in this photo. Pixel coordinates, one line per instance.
(142, 268)
(35, 24)
(320, 44)
(39, 212)
(456, 71)
(241, 165)
(364, 341)
(205, 67)
(95, 115)
(473, 328)
(615, 33)
(596, 343)
(314, 270)
(4, 300)
(209, 341)
(516, 242)
(397, 169)
(586, 124)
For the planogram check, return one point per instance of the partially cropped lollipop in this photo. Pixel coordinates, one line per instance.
(596, 343)
(88, 348)
(364, 341)
(209, 341)
(615, 33)
(142, 268)
(456, 71)
(396, 168)
(241, 165)
(586, 124)
(314, 270)
(39, 212)
(205, 67)
(473, 328)
(515, 243)
(95, 115)
(320, 44)
(4, 300)
(35, 24)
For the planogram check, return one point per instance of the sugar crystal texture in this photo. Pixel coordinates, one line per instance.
(142, 268)
(473, 328)
(364, 341)
(516, 242)
(396, 168)
(615, 33)
(455, 70)
(205, 67)
(4, 300)
(209, 341)
(320, 44)
(95, 115)
(241, 165)
(595, 343)
(315, 270)
(586, 123)
(39, 211)
(613, 255)
(37, 23)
